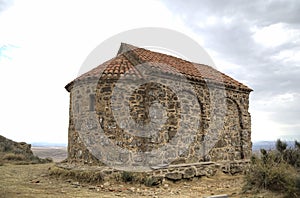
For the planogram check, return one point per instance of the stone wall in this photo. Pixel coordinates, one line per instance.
(194, 111)
(172, 172)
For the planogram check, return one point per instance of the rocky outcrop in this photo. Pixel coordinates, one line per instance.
(9, 146)
(11, 151)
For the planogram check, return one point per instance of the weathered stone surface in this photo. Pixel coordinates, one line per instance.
(174, 176)
(218, 196)
(189, 172)
(173, 172)
(234, 142)
(222, 111)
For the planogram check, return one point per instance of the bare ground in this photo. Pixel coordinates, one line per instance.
(34, 181)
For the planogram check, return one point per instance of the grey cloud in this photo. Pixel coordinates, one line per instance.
(234, 43)
(255, 10)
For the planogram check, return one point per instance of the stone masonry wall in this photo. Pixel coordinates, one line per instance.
(221, 111)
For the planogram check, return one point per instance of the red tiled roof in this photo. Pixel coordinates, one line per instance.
(129, 56)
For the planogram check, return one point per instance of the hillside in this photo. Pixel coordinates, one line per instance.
(18, 153)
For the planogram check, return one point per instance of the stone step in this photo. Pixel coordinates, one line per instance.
(218, 196)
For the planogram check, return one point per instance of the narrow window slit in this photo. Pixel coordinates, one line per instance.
(92, 102)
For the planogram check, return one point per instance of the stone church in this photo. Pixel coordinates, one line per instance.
(147, 106)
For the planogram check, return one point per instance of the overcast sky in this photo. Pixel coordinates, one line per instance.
(44, 43)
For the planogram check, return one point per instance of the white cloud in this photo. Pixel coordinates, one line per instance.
(275, 35)
(262, 43)
(289, 56)
(262, 126)
(52, 39)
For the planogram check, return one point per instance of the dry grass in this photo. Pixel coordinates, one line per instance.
(47, 180)
(13, 157)
(21, 159)
(35, 181)
(87, 176)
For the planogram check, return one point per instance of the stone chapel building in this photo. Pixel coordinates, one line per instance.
(222, 109)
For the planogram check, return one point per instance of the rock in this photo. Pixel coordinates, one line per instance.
(106, 184)
(218, 196)
(16, 151)
(174, 176)
(189, 173)
(166, 186)
(35, 181)
(75, 184)
(111, 189)
(132, 189)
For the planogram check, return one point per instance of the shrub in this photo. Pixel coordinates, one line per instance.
(127, 176)
(152, 181)
(88, 176)
(270, 173)
(280, 145)
(292, 157)
(14, 157)
(297, 145)
(5, 147)
(289, 155)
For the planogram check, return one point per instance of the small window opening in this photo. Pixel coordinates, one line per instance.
(77, 108)
(92, 102)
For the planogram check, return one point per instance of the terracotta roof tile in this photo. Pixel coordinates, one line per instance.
(129, 56)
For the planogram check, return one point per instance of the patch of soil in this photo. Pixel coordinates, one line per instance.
(34, 181)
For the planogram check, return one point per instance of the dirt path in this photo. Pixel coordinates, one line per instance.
(33, 181)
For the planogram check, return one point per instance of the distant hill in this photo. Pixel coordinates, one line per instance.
(268, 145)
(47, 144)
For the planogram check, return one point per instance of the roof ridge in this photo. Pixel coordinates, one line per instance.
(125, 47)
(190, 62)
(129, 56)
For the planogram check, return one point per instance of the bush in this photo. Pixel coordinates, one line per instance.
(289, 155)
(269, 172)
(297, 145)
(292, 157)
(14, 157)
(281, 146)
(152, 181)
(87, 176)
(127, 176)
(5, 147)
